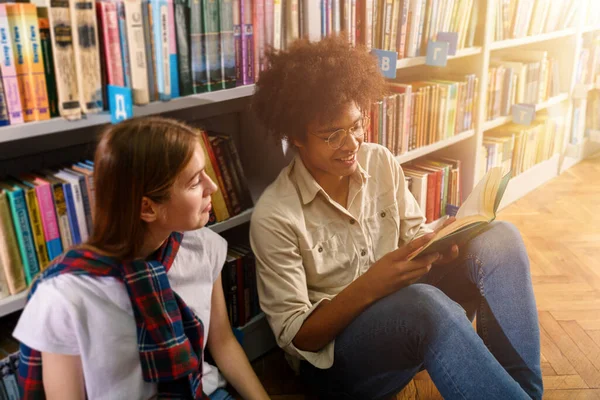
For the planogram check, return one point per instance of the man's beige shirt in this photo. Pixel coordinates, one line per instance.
(309, 248)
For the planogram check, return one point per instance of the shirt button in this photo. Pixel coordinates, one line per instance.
(363, 252)
(352, 222)
(320, 249)
(382, 214)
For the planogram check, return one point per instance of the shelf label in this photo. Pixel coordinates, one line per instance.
(451, 38)
(437, 54)
(386, 60)
(120, 103)
(523, 114)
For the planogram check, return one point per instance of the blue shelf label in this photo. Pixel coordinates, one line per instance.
(120, 103)
(451, 38)
(387, 62)
(523, 114)
(437, 54)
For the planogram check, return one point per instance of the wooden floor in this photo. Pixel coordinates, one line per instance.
(560, 224)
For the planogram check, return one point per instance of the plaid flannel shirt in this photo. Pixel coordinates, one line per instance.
(170, 335)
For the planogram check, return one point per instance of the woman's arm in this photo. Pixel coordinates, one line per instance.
(63, 377)
(227, 352)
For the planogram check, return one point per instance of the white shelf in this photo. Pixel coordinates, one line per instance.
(56, 125)
(529, 180)
(239, 219)
(416, 61)
(590, 28)
(504, 44)
(494, 123)
(14, 303)
(422, 151)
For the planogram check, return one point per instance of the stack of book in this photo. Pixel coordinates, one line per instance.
(520, 18)
(518, 147)
(435, 184)
(524, 76)
(421, 113)
(44, 213)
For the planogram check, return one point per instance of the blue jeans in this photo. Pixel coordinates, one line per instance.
(428, 325)
(220, 394)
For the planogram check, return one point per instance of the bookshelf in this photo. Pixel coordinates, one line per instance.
(227, 108)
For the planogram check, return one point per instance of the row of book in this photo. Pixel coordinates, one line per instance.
(407, 26)
(518, 147)
(520, 18)
(59, 60)
(420, 113)
(524, 76)
(239, 285)
(46, 212)
(435, 184)
(587, 70)
(9, 388)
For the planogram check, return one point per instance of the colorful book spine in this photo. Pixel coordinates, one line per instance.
(10, 80)
(182, 27)
(237, 42)
(198, 56)
(136, 44)
(10, 259)
(248, 40)
(258, 21)
(20, 216)
(22, 19)
(109, 22)
(228, 59)
(212, 43)
(71, 212)
(48, 57)
(173, 63)
(62, 215)
(48, 215)
(150, 56)
(126, 61)
(35, 217)
(87, 55)
(59, 17)
(160, 34)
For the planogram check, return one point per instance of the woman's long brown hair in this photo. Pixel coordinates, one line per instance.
(135, 158)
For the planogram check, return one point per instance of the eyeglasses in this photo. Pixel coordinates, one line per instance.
(338, 137)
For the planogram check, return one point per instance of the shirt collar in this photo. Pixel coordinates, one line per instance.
(308, 186)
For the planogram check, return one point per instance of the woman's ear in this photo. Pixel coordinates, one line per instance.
(149, 211)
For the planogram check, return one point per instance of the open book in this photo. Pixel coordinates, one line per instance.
(476, 212)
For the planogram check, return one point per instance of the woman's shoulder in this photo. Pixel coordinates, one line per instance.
(200, 248)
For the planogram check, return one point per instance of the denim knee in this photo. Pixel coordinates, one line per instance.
(434, 311)
(500, 244)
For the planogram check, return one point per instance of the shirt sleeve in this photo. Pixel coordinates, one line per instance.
(281, 281)
(412, 219)
(46, 323)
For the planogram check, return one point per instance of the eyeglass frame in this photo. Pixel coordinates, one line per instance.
(347, 131)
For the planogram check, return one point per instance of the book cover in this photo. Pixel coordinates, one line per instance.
(63, 52)
(22, 19)
(182, 28)
(10, 259)
(10, 81)
(173, 60)
(87, 55)
(48, 57)
(228, 56)
(198, 55)
(136, 43)
(20, 217)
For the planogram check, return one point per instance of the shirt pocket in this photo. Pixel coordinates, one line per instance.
(328, 264)
(383, 227)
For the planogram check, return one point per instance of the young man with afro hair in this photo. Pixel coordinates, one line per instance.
(331, 237)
